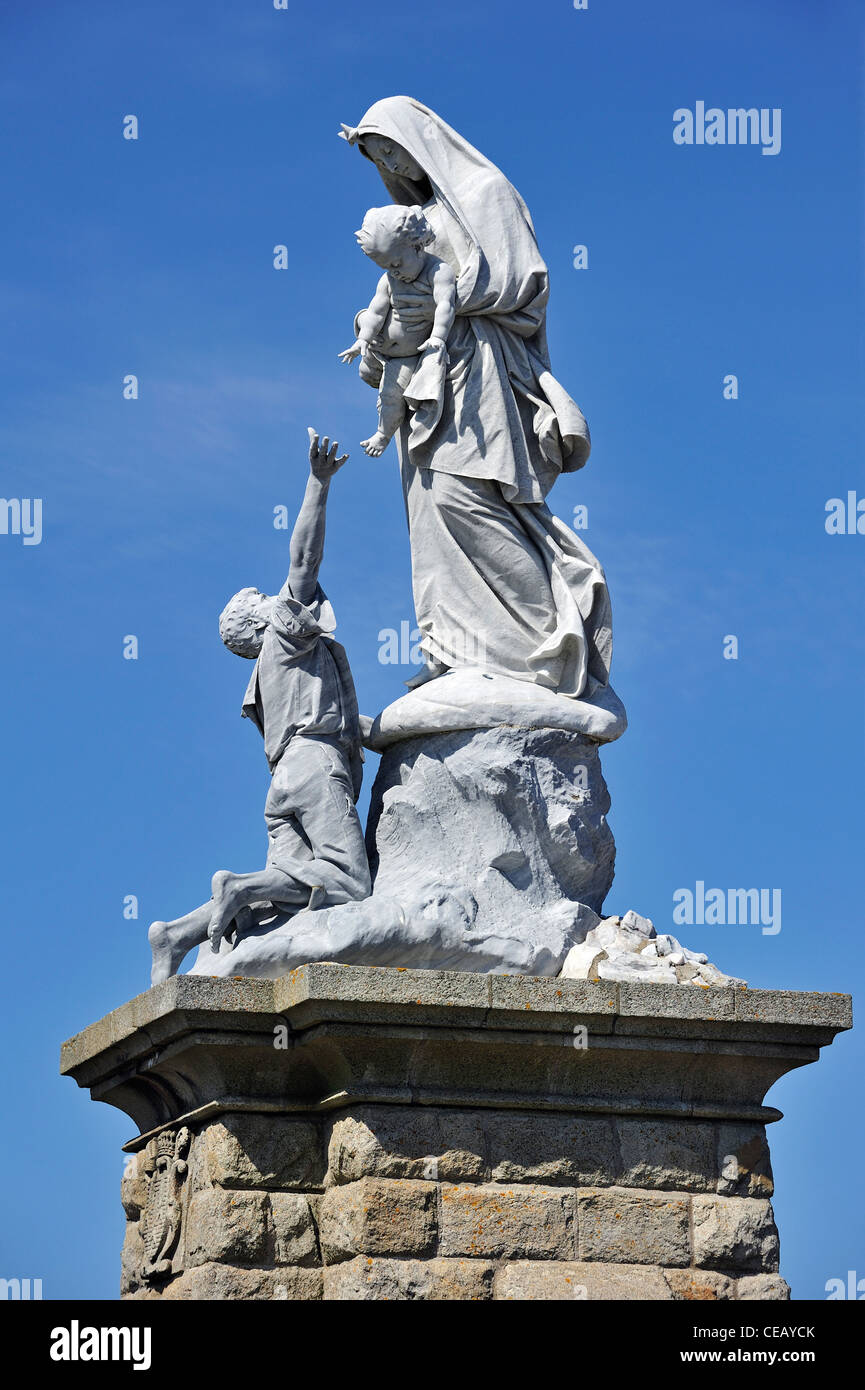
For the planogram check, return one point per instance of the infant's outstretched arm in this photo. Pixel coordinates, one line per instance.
(372, 322)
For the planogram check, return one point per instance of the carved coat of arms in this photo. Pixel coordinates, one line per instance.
(165, 1167)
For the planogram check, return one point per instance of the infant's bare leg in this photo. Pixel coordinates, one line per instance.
(391, 413)
(231, 892)
(170, 941)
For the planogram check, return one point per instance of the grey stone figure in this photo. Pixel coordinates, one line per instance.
(487, 838)
(301, 699)
(410, 358)
(492, 568)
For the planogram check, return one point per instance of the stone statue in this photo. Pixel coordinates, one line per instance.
(492, 568)
(487, 836)
(488, 843)
(301, 699)
(407, 359)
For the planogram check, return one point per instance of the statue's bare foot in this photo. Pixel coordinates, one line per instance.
(166, 958)
(375, 445)
(428, 672)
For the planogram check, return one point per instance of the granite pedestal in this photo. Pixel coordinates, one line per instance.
(349, 1132)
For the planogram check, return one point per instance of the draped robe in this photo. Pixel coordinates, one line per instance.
(498, 581)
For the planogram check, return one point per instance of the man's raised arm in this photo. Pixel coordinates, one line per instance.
(307, 538)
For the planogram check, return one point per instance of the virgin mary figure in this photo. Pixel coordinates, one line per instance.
(498, 581)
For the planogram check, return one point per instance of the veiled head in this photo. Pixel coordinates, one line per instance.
(391, 157)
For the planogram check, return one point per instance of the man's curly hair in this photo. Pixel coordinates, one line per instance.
(237, 626)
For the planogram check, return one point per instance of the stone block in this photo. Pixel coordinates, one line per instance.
(798, 1008)
(766, 1287)
(621, 1226)
(743, 1164)
(133, 1187)
(530, 1280)
(736, 1234)
(212, 1282)
(229, 1226)
(292, 1219)
(699, 1286)
(492, 1222)
(294, 1283)
(436, 1280)
(132, 1259)
(675, 1155)
(535, 1280)
(402, 1142)
(264, 1151)
(374, 992)
(676, 1005)
(533, 999)
(551, 1149)
(376, 1216)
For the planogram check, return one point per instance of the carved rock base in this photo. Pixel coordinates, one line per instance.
(489, 849)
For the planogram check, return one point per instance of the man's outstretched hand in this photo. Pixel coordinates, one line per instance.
(323, 461)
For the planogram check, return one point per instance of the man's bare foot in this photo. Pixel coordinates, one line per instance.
(166, 960)
(375, 445)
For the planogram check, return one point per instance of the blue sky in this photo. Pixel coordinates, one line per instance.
(155, 257)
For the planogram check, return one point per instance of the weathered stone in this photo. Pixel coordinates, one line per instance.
(626, 967)
(539, 1279)
(620, 1226)
(495, 1221)
(378, 1217)
(293, 1283)
(744, 1168)
(230, 1226)
(223, 1281)
(550, 1149)
(670, 1002)
(133, 1187)
(699, 1285)
(398, 1142)
(557, 1280)
(735, 1233)
(623, 949)
(532, 1002)
(212, 1031)
(436, 1280)
(510, 825)
(295, 1241)
(468, 1082)
(769, 1287)
(132, 1259)
(264, 1151)
(677, 1155)
(798, 1008)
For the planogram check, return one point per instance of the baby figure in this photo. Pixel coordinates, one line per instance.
(411, 313)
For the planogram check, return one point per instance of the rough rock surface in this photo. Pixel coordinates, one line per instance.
(628, 948)
(490, 852)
